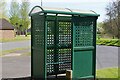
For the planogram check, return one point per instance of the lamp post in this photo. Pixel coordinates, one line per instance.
(41, 2)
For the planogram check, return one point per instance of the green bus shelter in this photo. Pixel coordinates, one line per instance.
(63, 39)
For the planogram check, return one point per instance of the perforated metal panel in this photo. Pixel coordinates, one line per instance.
(65, 59)
(84, 32)
(38, 57)
(60, 60)
(50, 61)
(38, 36)
(83, 54)
(64, 33)
(64, 45)
(50, 47)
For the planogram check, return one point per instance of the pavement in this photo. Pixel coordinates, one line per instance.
(20, 66)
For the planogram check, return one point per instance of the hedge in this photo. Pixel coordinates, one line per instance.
(109, 42)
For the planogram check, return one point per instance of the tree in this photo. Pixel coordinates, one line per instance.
(3, 11)
(112, 23)
(116, 16)
(14, 15)
(24, 11)
(100, 30)
(118, 19)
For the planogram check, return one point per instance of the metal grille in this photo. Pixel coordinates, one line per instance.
(37, 45)
(50, 61)
(64, 45)
(50, 33)
(84, 33)
(64, 33)
(50, 46)
(60, 60)
(65, 59)
(38, 36)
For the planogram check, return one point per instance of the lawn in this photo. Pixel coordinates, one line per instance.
(17, 38)
(107, 73)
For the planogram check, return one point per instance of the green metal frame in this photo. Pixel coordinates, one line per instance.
(94, 43)
(56, 48)
(56, 42)
(45, 49)
(62, 12)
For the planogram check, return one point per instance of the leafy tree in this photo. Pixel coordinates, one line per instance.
(100, 30)
(112, 23)
(24, 11)
(3, 10)
(14, 15)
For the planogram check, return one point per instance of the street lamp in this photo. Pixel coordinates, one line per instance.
(41, 2)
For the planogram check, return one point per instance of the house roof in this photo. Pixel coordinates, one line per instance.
(39, 9)
(5, 25)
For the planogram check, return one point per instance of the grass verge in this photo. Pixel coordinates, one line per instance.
(107, 73)
(11, 51)
(17, 38)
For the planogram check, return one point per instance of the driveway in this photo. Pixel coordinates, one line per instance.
(13, 45)
(107, 56)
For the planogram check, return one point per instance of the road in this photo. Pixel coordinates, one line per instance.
(0, 68)
(16, 67)
(107, 56)
(13, 45)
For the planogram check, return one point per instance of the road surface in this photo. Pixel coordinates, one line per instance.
(107, 56)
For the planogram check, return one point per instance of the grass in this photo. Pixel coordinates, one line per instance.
(17, 38)
(11, 51)
(107, 73)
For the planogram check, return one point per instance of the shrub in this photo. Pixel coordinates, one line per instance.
(108, 42)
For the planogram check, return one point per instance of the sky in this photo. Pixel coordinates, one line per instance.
(96, 5)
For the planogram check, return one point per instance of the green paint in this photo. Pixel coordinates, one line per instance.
(38, 57)
(83, 47)
(63, 42)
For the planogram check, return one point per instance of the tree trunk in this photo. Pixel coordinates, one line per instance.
(113, 37)
(26, 33)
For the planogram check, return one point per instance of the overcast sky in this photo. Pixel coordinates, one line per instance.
(96, 5)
